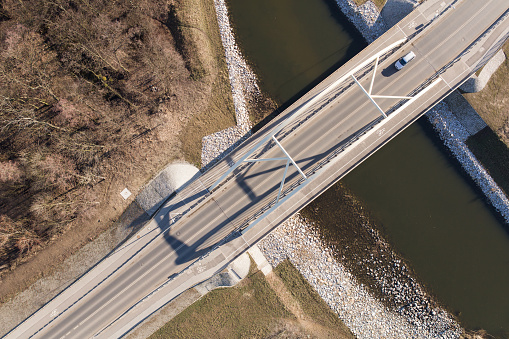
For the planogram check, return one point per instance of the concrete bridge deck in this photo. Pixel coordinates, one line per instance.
(327, 133)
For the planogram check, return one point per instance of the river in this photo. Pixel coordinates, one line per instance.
(428, 209)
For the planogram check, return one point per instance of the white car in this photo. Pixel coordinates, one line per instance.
(404, 60)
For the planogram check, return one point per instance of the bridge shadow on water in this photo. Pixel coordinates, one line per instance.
(188, 252)
(320, 71)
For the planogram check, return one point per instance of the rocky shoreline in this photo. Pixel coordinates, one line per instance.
(454, 136)
(366, 316)
(244, 86)
(414, 314)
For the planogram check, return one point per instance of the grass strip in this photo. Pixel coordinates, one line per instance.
(252, 309)
(249, 310)
(201, 27)
(312, 304)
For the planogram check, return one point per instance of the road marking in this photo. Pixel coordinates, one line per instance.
(98, 309)
(455, 32)
(56, 310)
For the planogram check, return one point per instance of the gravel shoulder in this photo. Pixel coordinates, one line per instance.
(366, 316)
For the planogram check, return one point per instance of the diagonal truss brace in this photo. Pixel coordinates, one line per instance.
(305, 106)
(372, 97)
(289, 160)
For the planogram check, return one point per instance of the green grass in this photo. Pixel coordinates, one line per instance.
(493, 154)
(312, 304)
(250, 310)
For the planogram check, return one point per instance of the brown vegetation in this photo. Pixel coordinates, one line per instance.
(492, 103)
(280, 305)
(379, 3)
(94, 97)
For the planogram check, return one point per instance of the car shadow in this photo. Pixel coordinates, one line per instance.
(389, 70)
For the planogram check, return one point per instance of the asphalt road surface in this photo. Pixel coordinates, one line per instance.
(227, 207)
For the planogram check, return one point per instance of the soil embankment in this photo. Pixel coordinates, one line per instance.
(128, 90)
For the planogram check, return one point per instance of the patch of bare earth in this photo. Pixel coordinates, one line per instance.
(492, 103)
(258, 307)
(304, 325)
(116, 117)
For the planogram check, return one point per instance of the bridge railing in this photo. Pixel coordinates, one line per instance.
(487, 56)
(270, 202)
(320, 105)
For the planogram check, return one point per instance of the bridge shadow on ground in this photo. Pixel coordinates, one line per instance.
(227, 229)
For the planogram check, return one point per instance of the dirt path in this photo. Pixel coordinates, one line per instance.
(313, 329)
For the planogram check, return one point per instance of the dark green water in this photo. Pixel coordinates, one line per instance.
(437, 220)
(292, 43)
(430, 211)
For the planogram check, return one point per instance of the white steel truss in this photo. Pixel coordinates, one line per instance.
(303, 108)
(372, 97)
(288, 159)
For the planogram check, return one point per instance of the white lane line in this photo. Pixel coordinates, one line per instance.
(486, 4)
(195, 235)
(354, 159)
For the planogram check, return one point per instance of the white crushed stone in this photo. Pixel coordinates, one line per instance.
(395, 10)
(366, 18)
(244, 85)
(216, 146)
(171, 179)
(362, 313)
(454, 135)
(465, 113)
(477, 83)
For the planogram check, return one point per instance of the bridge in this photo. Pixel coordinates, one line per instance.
(278, 170)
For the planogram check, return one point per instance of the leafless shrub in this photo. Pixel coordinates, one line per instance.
(79, 82)
(15, 239)
(7, 229)
(26, 241)
(10, 171)
(51, 172)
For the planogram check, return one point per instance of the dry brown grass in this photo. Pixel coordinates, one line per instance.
(313, 313)
(379, 3)
(140, 116)
(492, 103)
(219, 113)
(281, 305)
(491, 144)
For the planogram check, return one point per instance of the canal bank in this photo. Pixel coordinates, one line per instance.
(284, 93)
(355, 299)
(454, 231)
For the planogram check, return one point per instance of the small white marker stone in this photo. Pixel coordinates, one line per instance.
(125, 193)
